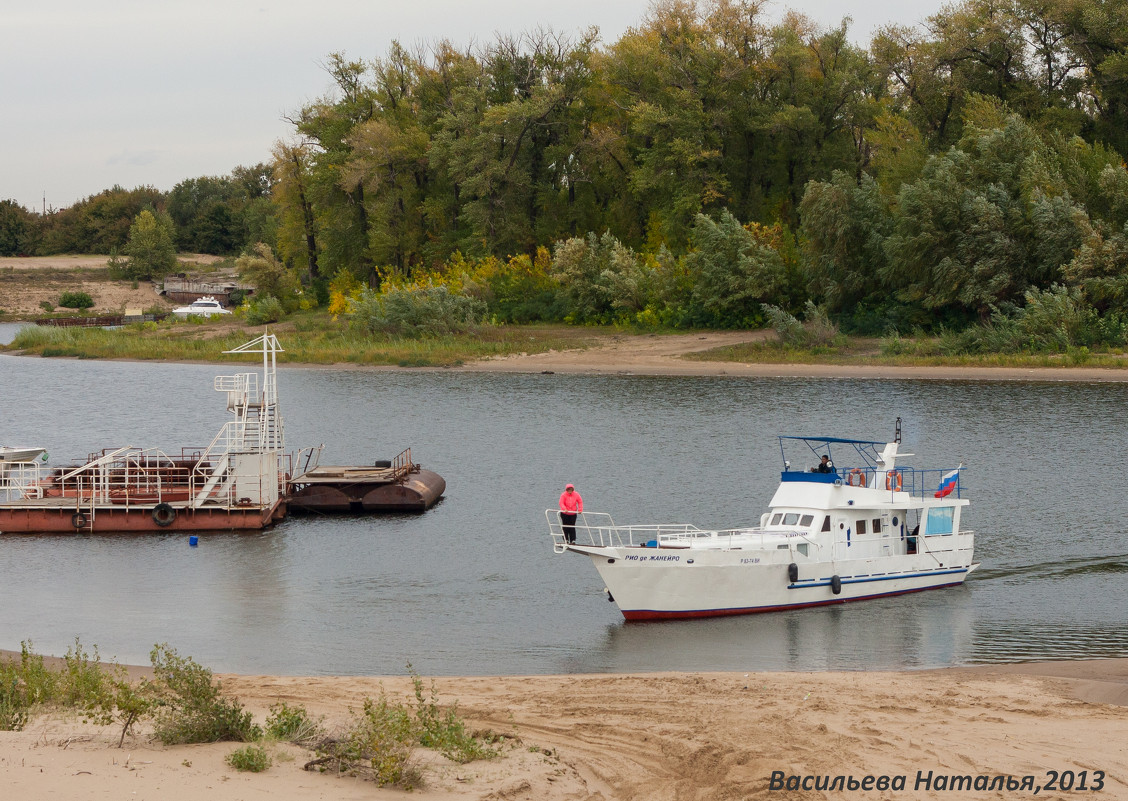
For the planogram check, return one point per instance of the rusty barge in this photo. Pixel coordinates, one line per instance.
(398, 485)
(242, 480)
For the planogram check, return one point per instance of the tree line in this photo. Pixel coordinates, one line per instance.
(706, 164)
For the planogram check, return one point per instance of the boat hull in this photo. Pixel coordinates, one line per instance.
(663, 584)
(32, 519)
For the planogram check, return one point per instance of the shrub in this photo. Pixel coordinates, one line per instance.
(14, 704)
(443, 730)
(269, 276)
(816, 331)
(82, 682)
(47, 306)
(292, 724)
(420, 311)
(189, 705)
(264, 310)
(39, 683)
(76, 300)
(252, 758)
(131, 702)
(600, 278)
(378, 743)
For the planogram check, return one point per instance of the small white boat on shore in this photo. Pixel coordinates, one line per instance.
(869, 529)
(202, 307)
(10, 453)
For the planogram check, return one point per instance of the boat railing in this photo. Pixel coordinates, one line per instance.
(311, 459)
(597, 529)
(402, 465)
(239, 388)
(22, 480)
(917, 482)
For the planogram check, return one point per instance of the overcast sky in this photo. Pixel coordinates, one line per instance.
(96, 93)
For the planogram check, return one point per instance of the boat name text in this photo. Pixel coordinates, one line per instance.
(657, 557)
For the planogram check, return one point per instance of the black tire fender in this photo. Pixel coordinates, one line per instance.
(835, 585)
(78, 520)
(163, 515)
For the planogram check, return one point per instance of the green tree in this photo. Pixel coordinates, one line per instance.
(150, 251)
(15, 228)
(600, 277)
(845, 224)
(985, 222)
(269, 276)
(733, 273)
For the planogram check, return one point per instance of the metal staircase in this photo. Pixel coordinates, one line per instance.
(257, 429)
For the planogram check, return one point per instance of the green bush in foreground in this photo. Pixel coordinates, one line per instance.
(292, 724)
(443, 729)
(250, 758)
(14, 706)
(381, 739)
(190, 706)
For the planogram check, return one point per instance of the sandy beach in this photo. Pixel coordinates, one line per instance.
(654, 736)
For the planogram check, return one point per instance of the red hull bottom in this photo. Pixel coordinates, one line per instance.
(113, 519)
(652, 614)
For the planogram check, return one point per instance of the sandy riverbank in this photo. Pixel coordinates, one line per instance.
(652, 736)
(663, 354)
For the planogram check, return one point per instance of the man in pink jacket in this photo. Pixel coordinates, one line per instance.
(571, 504)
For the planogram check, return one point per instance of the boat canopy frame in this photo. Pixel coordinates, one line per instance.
(868, 450)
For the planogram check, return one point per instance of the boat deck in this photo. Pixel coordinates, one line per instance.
(331, 474)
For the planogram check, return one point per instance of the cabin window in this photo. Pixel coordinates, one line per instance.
(802, 548)
(791, 518)
(939, 520)
(776, 518)
(826, 523)
(806, 520)
(861, 526)
(877, 525)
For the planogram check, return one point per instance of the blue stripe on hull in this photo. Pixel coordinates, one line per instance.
(865, 579)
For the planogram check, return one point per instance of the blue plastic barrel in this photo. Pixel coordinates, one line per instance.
(193, 540)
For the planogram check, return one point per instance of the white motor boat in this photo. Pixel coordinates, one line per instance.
(868, 529)
(10, 453)
(15, 459)
(202, 307)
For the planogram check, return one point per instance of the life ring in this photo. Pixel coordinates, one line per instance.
(78, 520)
(893, 480)
(163, 515)
(856, 478)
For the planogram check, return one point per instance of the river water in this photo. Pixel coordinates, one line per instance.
(472, 586)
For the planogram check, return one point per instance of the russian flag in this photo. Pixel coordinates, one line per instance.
(947, 483)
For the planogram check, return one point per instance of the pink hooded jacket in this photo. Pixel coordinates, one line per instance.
(571, 502)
